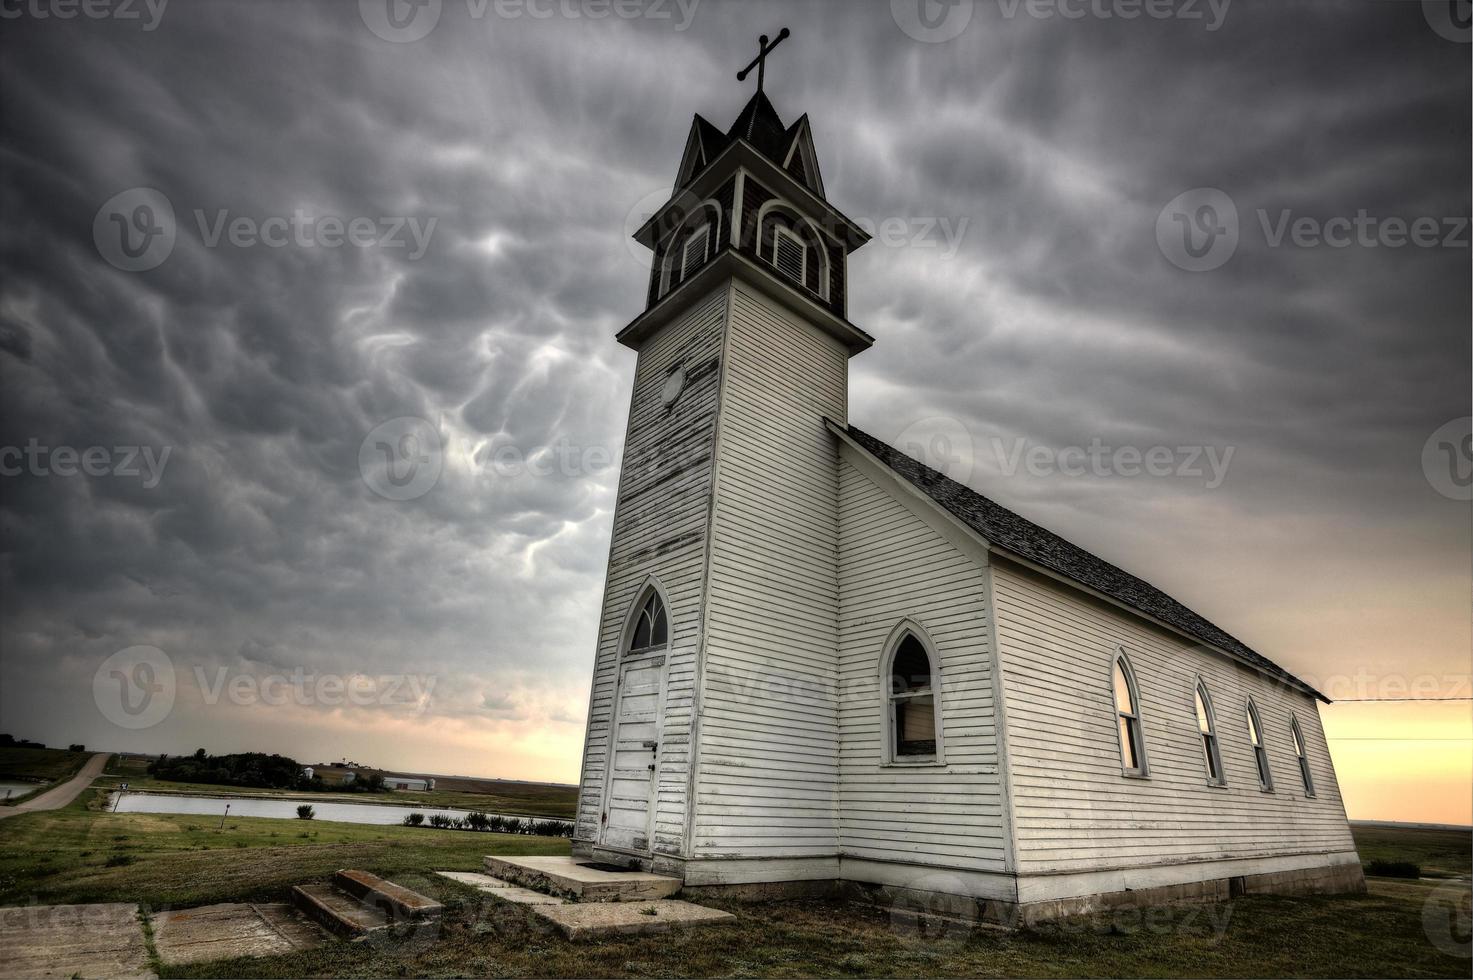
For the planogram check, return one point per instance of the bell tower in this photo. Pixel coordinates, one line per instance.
(712, 738)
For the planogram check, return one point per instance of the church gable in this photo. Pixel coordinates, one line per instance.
(801, 159)
(904, 582)
(702, 146)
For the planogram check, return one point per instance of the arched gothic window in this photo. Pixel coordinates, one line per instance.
(1128, 715)
(1303, 756)
(651, 628)
(914, 728)
(1260, 751)
(1207, 727)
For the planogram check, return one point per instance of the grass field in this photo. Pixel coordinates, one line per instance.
(47, 764)
(82, 854)
(497, 796)
(1440, 853)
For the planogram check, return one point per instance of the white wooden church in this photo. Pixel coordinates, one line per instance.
(822, 664)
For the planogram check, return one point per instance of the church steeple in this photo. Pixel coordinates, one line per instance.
(750, 201)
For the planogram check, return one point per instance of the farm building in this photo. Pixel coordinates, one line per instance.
(822, 664)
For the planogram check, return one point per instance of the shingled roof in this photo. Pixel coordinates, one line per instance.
(759, 124)
(1012, 533)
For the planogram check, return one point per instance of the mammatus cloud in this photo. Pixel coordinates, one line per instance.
(367, 230)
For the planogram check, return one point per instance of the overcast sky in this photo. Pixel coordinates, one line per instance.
(1025, 299)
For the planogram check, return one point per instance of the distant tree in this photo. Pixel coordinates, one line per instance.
(253, 769)
(199, 754)
(76, 747)
(305, 812)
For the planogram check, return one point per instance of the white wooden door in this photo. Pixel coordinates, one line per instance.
(630, 800)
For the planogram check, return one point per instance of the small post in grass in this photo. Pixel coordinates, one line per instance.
(224, 815)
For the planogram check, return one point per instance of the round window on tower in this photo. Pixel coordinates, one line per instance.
(674, 385)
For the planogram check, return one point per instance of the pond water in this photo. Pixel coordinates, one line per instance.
(284, 809)
(16, 787)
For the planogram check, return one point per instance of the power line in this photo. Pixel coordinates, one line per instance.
(1393, 738)
(1373, 700)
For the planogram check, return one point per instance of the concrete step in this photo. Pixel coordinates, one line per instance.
(597, 920)
(399, 902)
(338, 911)
(503, 890)
(572, 878)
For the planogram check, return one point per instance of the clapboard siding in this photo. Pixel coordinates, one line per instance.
(660, 529)
(1075, 811)
(767, 782)
(893, 566)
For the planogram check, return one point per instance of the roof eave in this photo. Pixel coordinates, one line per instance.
(730, 264)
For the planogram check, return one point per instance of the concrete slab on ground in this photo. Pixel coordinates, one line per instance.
(571, 877)
(503, 890)
(597, 920)
(73, 941)
(219, 932)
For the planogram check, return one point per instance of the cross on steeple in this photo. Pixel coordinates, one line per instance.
(760, 62)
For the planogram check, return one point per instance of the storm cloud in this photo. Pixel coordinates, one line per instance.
(1018, 290)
